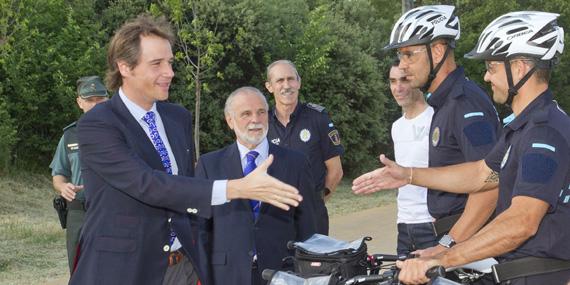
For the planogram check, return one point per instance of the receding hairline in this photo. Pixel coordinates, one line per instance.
(278, 62)
(240, 91)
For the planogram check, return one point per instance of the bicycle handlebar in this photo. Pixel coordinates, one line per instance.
(436, 271)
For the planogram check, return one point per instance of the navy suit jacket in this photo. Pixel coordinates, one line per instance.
(229, 237)
(131, 201)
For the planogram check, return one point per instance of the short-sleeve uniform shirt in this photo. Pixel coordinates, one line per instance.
(533, 160)
(66, 159)
(311, 132)
(464, 128)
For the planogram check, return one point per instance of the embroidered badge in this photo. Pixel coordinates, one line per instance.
(435, 136)
(305, 135)
(335, 137)
(506, 157)
(73, 146)
(276, 141)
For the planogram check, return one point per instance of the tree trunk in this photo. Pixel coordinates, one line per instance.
(197, 115)
(407, 5)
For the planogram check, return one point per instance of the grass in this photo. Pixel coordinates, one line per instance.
(345, 202)
(32, 243)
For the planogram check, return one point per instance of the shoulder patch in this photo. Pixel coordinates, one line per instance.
(334, 137)
(316, 107)
(70, 126)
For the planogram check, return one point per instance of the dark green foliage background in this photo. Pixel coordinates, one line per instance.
(46, 45)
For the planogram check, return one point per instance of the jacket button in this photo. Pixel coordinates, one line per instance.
(166, 248)
(169, 220)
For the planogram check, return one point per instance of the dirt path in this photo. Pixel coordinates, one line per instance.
(378, 223)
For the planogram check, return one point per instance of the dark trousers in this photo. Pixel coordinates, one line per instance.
(182, 273)
(75, 218)
(322, 215)
(556, 278)
(256, 276)
(415, 236)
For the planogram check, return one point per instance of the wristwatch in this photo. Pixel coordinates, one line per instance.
(447, 241)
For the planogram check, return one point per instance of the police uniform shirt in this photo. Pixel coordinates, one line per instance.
(464, 128)
(310, 131)
(66, 159)
(532, 158)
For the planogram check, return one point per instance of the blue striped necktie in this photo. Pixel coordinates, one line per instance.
(150, 120)
(249, 167)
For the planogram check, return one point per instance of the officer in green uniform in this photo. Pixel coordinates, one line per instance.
(66, 171)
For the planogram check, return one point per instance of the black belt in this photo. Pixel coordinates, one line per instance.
(444, 225)
(76, 205)
(527, 266)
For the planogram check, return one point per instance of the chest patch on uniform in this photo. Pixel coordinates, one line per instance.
(479, 133)
(305, 135)
(73, 146)
(335, 137)
(505, 157)
(435, 136)
(276, 141)
(538, 168)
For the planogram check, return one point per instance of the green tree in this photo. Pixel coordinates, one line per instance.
(199, 46)
(49, 49)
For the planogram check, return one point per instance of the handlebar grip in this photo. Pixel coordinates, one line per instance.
(436, 271)
(386, 257)
(267, 274)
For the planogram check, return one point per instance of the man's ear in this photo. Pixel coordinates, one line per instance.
(519, 70)
(124, 68)
(229, 121)
(438, 50)
(268, 87)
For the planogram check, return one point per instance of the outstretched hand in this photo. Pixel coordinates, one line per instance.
(258, 185)
(390, 176)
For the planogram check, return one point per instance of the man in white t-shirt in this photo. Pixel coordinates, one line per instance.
(410, 134)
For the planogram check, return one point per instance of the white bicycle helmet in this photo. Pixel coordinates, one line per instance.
(424, 24)
(527, 33)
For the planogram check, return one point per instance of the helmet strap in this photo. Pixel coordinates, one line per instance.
(433, 71)
(514, 89)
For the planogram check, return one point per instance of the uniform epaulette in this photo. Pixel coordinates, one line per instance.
(541, 116)
(316, 107)
(70, 126)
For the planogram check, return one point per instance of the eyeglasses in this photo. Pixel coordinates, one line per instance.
(408, 56)
(490, 66)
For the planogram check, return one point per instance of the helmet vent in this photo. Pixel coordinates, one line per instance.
(513, 31)
(493, 43)
(516, 21)
(424, 13)
(503, 49)
(433, 18)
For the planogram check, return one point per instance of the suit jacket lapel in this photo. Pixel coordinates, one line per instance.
(139, 139)
(271, 171)
(233, 170)
(175, 133)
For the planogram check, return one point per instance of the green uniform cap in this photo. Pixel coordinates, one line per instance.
(90, 86)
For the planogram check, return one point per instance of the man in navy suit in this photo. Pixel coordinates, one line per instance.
(245, 237)
(136, 153)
